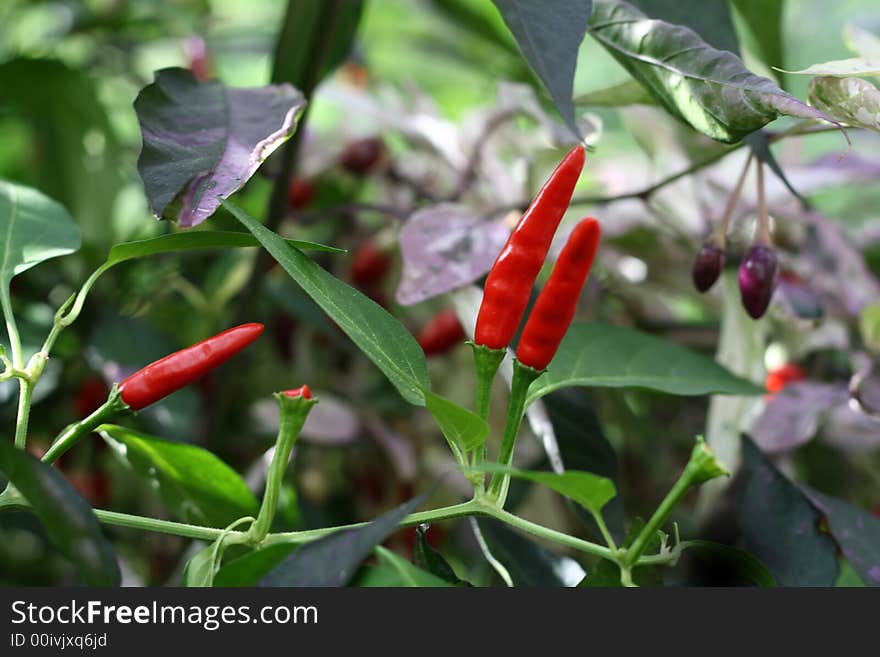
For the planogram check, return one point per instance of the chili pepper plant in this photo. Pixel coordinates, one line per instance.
(361, 343)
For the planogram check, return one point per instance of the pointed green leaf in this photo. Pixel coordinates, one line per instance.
(34, 228)
(616, 357)
(195, 485)
(379, 335)
(549, 34)
(461, 427)
(854, 66)
(590, 491)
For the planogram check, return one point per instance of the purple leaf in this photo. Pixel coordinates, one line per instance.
(855, 530)
(445, 247)
(851, 430)
(792, 416)
(203, 141)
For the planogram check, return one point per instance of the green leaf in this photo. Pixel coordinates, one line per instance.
(601, 355)
(462, 428)
(315, 38)
(198, 239)
(628, 92)
(780, 526)
(590, 491)
(203, 141)
(400, 572)
(710, 19)
(855, 530)
(852, 67)
(761, 29)
(738, 562)
(69, 520)
(34, 228)
(380, 336)
(200, 569)
(195, 485)
(549, 34)
(527, 562)
(249, 569)
(709, 89)
(853, 101)
(334, 559)
(429, 559)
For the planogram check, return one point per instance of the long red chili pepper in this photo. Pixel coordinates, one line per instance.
(510, 280)
(169, 374)
(441, 333)
(556, 304)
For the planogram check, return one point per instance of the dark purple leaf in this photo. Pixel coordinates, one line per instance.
(203, 141)
(779, 525)
(792, 416)
(856, 531)
(445, 247)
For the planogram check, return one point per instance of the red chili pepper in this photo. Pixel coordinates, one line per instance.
(303, 391)
(780, 377)
(441, 333)
(369, 265)
(556, 304)
(300, 193)
(169, 374)
(361, 155)
(510, 280)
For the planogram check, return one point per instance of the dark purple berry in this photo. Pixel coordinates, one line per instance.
(708, 266)
(757, 279)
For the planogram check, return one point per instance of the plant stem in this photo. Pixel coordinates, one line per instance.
(549, 534)
(519, 387)
(11, 328)
(763, 233)
(75, 432)
(603, 529)
(721, 231)
(25, 390)
(159, 526)
(293, 415)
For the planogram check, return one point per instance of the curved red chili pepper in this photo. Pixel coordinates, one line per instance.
(556, 304)
(169, 374)
(441, 333)
(510, 280)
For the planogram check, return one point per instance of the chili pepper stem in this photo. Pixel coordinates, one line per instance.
(293, 416)
(702, 466)
(719, 235)
(763, 232)
(522, 379)
(487, 361)
(75, 432)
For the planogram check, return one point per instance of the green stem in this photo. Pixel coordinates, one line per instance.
(11, 328)
(519, 387)
(702, 466)
(159, 526)
(549, 534)
(75, 432)
(487, 361)
(25, 390)
(434, 515)
(293, 415)
(603, 528)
